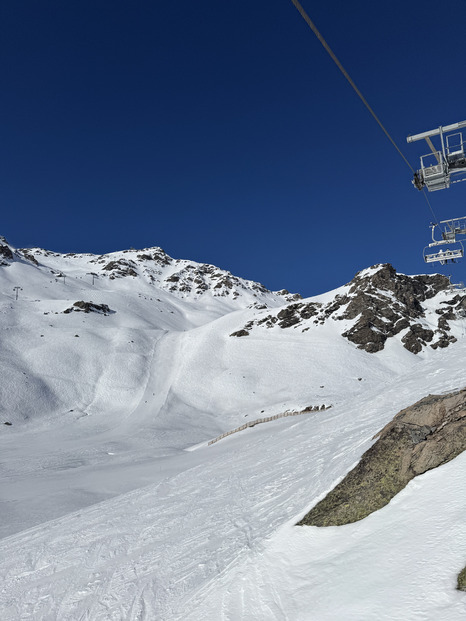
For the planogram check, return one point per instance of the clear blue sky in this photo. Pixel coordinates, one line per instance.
(223, 132)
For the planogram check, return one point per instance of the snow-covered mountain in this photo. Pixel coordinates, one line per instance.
(117, 372)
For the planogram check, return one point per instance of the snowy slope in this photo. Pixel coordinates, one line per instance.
(115, 507)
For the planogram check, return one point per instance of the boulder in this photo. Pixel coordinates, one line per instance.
(421, 437)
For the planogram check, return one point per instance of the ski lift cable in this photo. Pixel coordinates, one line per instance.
(430, 206)
(313, 27)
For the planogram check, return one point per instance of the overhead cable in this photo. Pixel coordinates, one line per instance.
(312, 26)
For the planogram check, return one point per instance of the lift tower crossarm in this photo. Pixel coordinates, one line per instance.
(436, 132)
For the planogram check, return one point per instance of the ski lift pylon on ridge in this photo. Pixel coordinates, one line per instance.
(438, 166)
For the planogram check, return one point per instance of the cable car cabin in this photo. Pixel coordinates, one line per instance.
(443, 256)
(438, 166)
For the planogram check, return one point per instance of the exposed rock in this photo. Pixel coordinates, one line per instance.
(121, 268)
(89, 307)
(380, 304)
(290, 297)
(161, 257)
(291, 315)
(444, 341)
(288, 316)
(6, 255)
(240, 333)
(386, 303)
(29, 257)
(201, 278)
(461, 585)
(416, 337)
(427, 434)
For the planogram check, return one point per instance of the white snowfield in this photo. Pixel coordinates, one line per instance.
(113, 505)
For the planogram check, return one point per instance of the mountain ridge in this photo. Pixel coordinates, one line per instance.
(152, 266)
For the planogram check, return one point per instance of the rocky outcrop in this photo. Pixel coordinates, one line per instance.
(120, 268)
(240, 333)
(28, 256)
(89, 307)
(378, 304)
(429, 433)
(384, 303)
(6, 255)
(461, 584)
(200, 278)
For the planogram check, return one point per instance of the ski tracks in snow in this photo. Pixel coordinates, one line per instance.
(160, 552)
(144, 554)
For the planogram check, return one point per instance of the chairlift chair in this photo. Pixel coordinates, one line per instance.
(438, 166)
(455, 249)
(443, 256)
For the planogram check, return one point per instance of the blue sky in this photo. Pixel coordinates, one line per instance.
(224, 133)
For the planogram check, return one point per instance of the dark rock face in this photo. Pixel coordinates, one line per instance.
(386, 303)
(89, 307)
(5, 251)
(158, 255)
(380, 304)
(429, 433)
(6, 255)
(416, 337)
(461, 585)
(120, 268)
(29, 257)
(240, 333)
